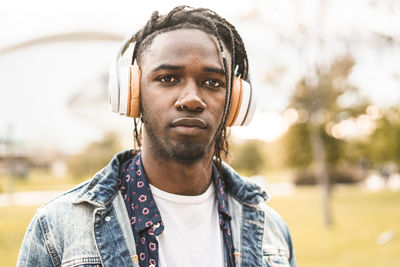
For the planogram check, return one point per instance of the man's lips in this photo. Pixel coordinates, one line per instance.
(189, 122)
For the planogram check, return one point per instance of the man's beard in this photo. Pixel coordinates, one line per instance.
(183, 152)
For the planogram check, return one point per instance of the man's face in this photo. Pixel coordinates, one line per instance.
(182, 94)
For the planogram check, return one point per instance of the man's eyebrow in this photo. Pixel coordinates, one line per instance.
(216, 70)
(177, 67)
(168, 67)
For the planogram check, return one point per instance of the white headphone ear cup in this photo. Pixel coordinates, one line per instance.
(124, 88)
(247, 106)
(251, 105)
(113, 88)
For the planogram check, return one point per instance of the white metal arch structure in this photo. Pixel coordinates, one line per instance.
(64, 37)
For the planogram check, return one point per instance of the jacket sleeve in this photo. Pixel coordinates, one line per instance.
(33, 250)
(292, 259)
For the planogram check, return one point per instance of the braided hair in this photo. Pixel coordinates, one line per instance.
(185, 17)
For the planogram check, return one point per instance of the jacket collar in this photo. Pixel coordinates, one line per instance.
(243, 189)
(103, 186)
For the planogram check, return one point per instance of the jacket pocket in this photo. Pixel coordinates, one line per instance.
(276, 257)
(83, 261)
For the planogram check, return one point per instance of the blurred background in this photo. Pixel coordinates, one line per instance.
(325, 141)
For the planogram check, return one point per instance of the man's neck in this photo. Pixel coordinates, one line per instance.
(175, 177)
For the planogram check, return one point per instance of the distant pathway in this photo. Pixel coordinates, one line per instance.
(30, 198)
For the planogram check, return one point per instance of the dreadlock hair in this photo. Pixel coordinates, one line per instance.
(185, 17)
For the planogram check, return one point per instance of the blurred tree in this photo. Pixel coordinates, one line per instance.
(379, 148)
(384, 143)
(94, 157)
(319, 94)
(317, 100)
(248, 157)
(298, 147)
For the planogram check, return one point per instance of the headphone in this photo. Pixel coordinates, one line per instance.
(124, 91)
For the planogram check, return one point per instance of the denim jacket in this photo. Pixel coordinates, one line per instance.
(89, 226)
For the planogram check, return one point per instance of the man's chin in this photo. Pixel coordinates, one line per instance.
(188, 153)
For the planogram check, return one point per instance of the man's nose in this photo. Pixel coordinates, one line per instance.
(190, 98)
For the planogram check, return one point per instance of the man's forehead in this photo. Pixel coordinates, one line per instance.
(171, 46)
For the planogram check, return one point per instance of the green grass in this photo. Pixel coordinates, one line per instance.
(38, 180)
(359, 218)
(13, 223)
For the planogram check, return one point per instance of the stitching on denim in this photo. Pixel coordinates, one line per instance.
(259, 224)
(50, 247)
(276, 251)
(94, 203)
(237, 254)
(238, 257)
(82, 260)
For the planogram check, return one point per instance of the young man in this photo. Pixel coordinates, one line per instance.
(171, 202)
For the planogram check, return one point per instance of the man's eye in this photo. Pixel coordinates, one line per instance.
(213, 83)
(167, 79)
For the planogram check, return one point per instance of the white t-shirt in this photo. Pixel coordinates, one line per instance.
(192, 235)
